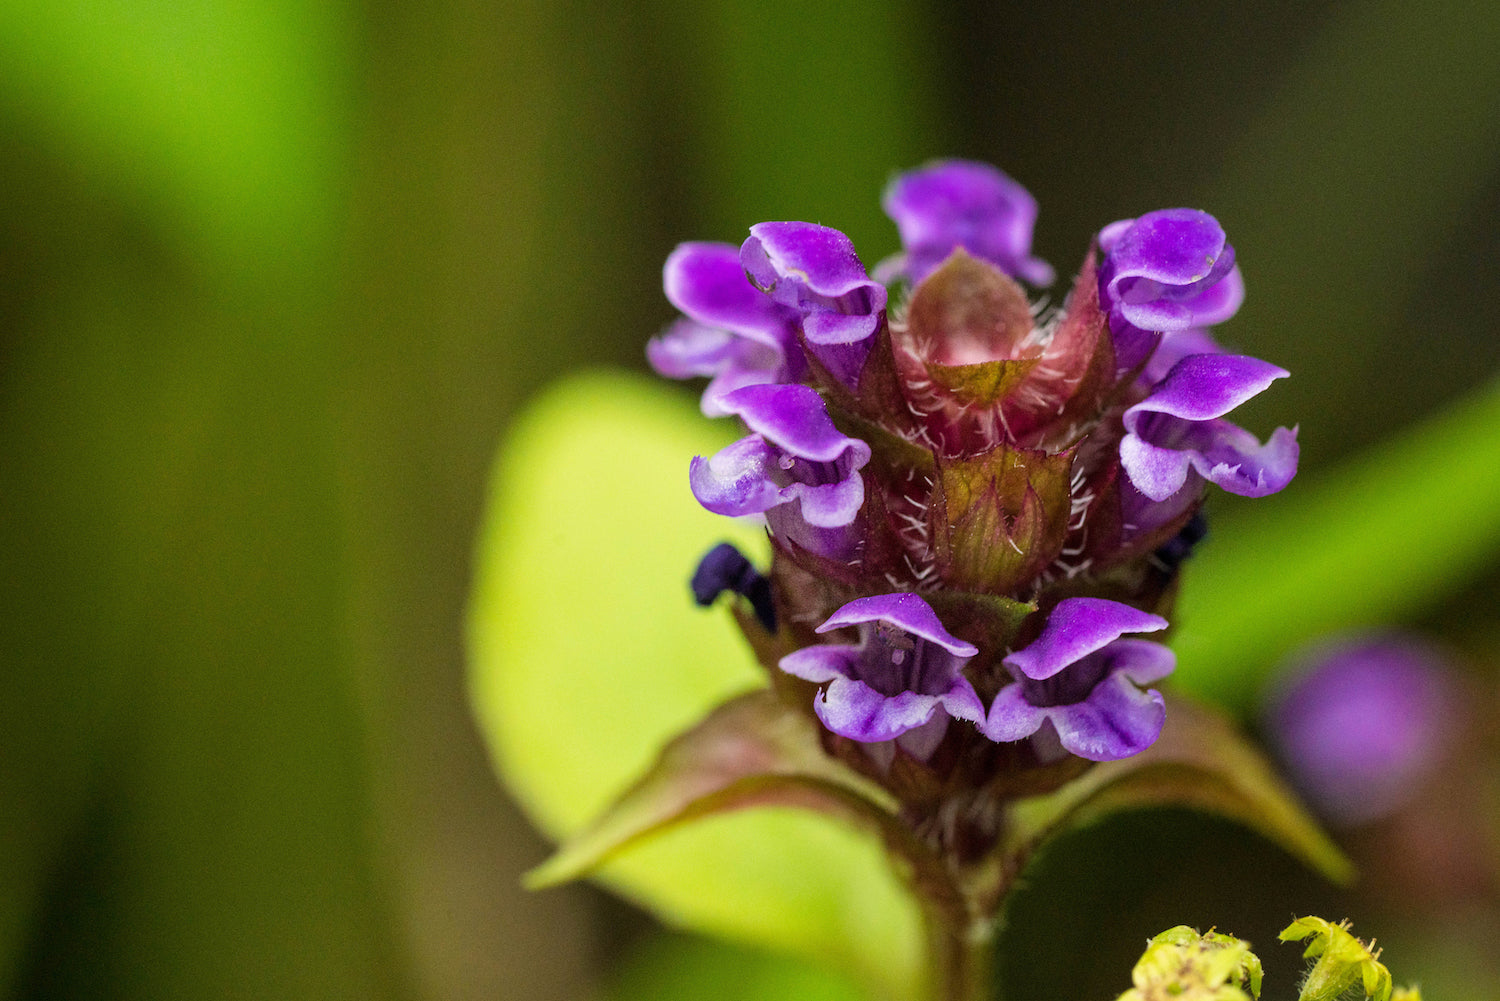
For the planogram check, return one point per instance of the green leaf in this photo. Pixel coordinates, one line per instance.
(1384, 536)
(1199, 761)
(587, 656)
(683, 968)
(751, 751)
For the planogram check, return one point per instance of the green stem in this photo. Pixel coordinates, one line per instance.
(960, 954)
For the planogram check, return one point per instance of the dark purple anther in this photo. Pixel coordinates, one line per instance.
(725, 568)
(1181, 546)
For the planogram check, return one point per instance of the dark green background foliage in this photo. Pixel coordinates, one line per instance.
(273, 277)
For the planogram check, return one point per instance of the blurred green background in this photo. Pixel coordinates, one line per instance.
(274, 276)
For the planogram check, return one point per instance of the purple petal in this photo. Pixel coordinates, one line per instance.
(1142, 661)
(905, 610)
(1078, 627)
(1167, 270)
(736, 481)
(1011, 717)
(707, 282)
(1173, 247)
(905, 667)
(1175, 346)
(1219, 301)
(961, 203)
(1116, 721)
(855, 710)
(803, 264)
(1175, 430)
(801, 457)
(822, 663)
(795, 418)
(1204, 386)
(688, 349)
(1158, 458)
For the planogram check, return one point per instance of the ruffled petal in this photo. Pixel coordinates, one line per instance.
(1223, 453)
(905, 610)
(855, 710)
(803, 264)
(821, 663)
(1116, 721)
(961, 203)
(707, 282)
(1204, 386)
(1142, 661)
(688, 349)
(795, 418)
(736, 481)
(1176, 429)
(1076, 628)
(1011, 717)
(1175, 346)
(1174, 248)
(1168, 270)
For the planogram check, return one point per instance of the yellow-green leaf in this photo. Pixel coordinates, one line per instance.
(587, 656)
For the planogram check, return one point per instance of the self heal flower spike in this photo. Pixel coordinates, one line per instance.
(904, 674)
(976, 502)
(1084, 680)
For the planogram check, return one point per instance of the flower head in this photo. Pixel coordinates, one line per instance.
(796, 468)
(936, 469)
(1084, 680)
(905, 671)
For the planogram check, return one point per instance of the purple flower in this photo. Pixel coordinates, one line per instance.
(814, 270)
(1166, 271)
(905, 674)
(960, 203)
(735, 333)
(1177, 431)
(796, 468)
(1360, 723)
(1081, 677)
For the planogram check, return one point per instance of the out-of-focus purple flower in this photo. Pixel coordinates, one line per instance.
(1080, 676)
(814, 270)
(1168, 270)
(1361, 722)
(1178, 430)
(734, 333)
(961, 203)
(796, 468)
(905, 676)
